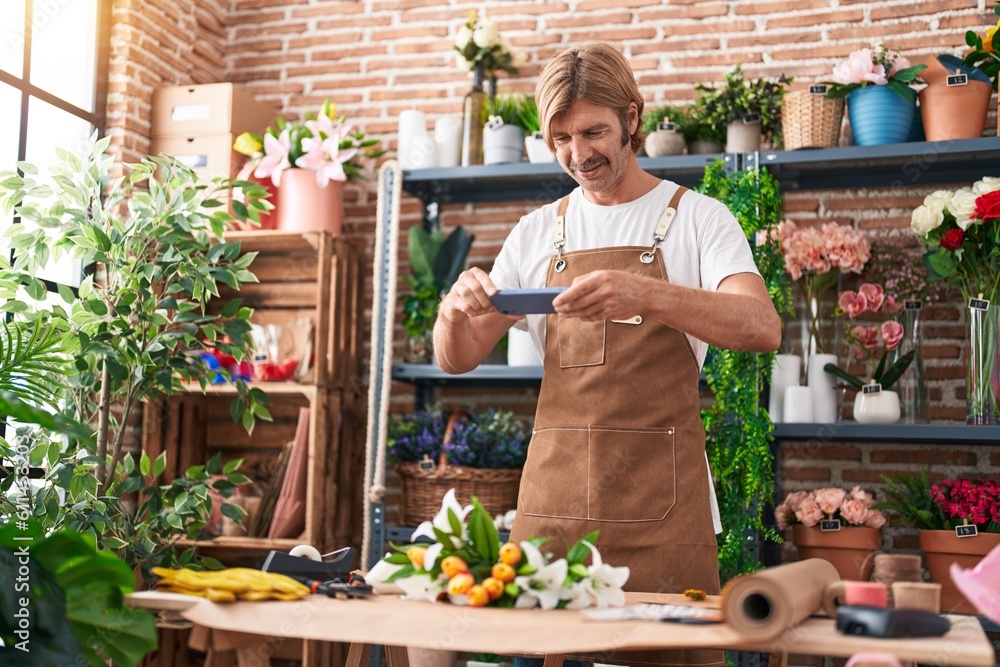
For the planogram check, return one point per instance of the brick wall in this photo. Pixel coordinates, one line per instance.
(376, 58)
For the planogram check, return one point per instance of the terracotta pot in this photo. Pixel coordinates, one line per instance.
(942, 548)
(851, 550)
(304, 206)
(958, 111)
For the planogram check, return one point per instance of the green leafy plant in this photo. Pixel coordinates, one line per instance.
(74, 600)
(909, 500)
(435, 261)
(128, 336)
(703, 122)
(738, 432)
(986, 52)
(740, 96)
(507, 107)
(528, 115)
(652, 118)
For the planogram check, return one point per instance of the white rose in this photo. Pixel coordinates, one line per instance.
(486, 35)
(938, 201)
(519, 58)
(924, 220)
(988, 184)
(963, 206)
(463, 38)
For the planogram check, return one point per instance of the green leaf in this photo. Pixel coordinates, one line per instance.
(897, 369)
(454, 522)
(942, 262)
(159, 464)
(397, 559)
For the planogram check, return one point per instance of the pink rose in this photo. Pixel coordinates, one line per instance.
(875, 519)
(854, 511)
(830, 500)
(783, 516)
(856, 69)
(857, 493)
(873, 295)
(892, 333)
(877, 76)
(795, 498)
(809, 512)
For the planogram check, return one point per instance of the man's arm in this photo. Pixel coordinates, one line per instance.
(738, 316)
(468, 325)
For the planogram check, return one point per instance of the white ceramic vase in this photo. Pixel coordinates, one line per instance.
(824, 386)
(503, 144)
(537, 149)
(879, 408)
(664, 142)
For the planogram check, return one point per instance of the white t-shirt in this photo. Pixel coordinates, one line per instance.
(703, 246)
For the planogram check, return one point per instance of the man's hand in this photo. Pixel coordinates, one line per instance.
(469, 297)
(604, 295)
(468, 324)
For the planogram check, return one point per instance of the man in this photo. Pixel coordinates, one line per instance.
(654, 274)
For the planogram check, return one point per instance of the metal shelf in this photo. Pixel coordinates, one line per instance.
(401, 534)
(486, 375)
(914, 164)
(955, 434)
(542, 183)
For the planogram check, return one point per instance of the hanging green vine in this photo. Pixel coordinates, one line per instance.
(738, 431)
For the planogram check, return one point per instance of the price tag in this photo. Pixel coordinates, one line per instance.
(979, 304)
(537, 134)
(872, 389)
(957, 80)
(494, 123)
(966, 531)
(666, 127)
(916, 304)
(817, 90)
(751, 118)
(259, 356)
(829, 525)
(426, 463)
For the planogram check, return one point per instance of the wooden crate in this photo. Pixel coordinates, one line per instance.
(310, 275)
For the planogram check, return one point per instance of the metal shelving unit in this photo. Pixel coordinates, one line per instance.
(910, 434)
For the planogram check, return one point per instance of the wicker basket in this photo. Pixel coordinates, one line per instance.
(810, 120)
(425, 484)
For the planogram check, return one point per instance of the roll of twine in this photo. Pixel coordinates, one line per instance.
(890, 568)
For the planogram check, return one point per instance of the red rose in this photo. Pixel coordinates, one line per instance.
(988, 206)
(952, 239)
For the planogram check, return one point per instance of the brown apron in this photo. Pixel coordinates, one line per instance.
(618, 443)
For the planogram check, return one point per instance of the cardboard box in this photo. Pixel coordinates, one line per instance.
(209, 155)
(213, 108)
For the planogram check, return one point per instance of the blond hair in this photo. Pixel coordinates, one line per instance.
(595, 73)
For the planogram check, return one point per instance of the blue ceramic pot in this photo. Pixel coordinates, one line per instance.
(880, 115)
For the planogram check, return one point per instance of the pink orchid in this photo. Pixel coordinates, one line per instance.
(892, 333)
(852, 303)
(892, 307)
(873, 294)
(325, 158)
(275, 158)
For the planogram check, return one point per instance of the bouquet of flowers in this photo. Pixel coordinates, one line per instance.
(324, 143)
(986, 52)
(467, 565)
(865, 341)
(878, 66)
(811, 507)
(963, 502)
(959, 230)
(813, 258)
(492, 439)
(478, 42)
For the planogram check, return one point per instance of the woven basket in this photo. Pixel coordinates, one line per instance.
(425, 484)
(810, 120)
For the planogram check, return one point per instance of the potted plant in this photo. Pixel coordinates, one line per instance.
(880, 101)
(875, 401)
(703, 130)
(308, 161)
(841, 527)
(747, 108)
(435, 262)
(477, 454)
(810, 119)
(534, 141)
(956, 99)
(958, 520)
(131, 335)
(985, 53)
(664, 130)
(503, 134)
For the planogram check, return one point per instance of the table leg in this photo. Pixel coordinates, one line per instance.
(553, 660)
(358, 655)
(396, 656)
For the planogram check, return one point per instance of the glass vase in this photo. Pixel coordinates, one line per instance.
(911, 387)
(472, 120)
(983, 372)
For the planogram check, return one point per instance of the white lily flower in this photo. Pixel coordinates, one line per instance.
(578, 595)
(546, 584)
(431, 555)
(426, 529)
(421, 587)
(605, 582)
(381, 571)
(533, 555)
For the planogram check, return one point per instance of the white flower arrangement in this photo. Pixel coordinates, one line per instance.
(478, 42)
(467, 565)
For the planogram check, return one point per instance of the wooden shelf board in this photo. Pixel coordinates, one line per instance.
(270, 388)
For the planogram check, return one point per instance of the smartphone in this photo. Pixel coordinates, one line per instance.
(526, 301)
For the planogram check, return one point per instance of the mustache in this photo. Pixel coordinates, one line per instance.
(588, 164)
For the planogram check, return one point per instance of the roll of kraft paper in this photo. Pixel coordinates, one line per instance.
(765, 604)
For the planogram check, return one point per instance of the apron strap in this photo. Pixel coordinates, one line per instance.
(663, 225)
(559, 233)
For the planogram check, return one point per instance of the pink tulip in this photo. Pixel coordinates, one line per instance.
(892, 333)
(873, 295)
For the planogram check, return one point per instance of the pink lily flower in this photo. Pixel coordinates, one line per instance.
(325, 158)
(275, 158)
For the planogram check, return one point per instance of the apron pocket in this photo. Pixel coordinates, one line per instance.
(632, 473)
(580, 343)
(554, 483)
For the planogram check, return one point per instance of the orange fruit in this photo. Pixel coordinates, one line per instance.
(494, 587)
(510, 553)
(452, 565)
(503, 572)
(460, 583)
(478, 597)
(416, 556)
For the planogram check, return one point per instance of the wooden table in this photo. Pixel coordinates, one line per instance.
(396, 624)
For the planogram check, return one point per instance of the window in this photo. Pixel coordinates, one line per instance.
(53, 90)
